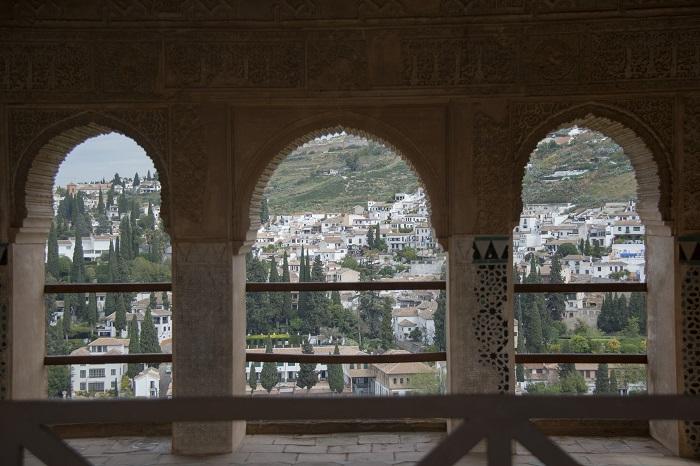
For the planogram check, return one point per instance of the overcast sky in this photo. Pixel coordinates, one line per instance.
(102, 157)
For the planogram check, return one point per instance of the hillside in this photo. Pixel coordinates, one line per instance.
(336, 173)
(585, 168)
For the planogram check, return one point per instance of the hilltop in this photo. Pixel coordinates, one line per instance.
(335, 173)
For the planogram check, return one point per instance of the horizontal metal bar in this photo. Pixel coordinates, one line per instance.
(550, 358)
(481, 407)
(253, 287)
(145, 358)
(345, 359)
(156, 358)
(107, 287)
(621, 287)
(257, 287)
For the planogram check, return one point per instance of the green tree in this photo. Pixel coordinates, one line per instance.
(370, 237)
(264, 212)
(275, 299)
(335, 375)
(252, 379)
(134, 347)
(614, 387)
(439, 318)
(125, 238)
(52, 267)
(137, 180)
(602, 379)
(268, 375)
(555, 301)
(92, 314)
(573, 383)
(166, 301)
(387, 333)
(307, 371)
(120, 314)
(149, 336)
(637, 308)
(567, 249)
(579, 344)
(519, 373)
(286, 302)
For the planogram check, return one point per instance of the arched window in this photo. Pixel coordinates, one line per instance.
(341, 208)
(107, 228)
(580, 226)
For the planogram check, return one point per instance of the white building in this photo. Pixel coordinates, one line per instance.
(146, 384)
(93, 379)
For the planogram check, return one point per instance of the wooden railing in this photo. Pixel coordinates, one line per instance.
(156, 358)
(500, 419)
(256, 287)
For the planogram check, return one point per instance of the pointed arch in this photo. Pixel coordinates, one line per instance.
(38, 165)
(268, 158)
(649, 158)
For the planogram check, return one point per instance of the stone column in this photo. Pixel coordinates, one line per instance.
(208, 338)
(25, 327)
(687, 341)
(480, 353)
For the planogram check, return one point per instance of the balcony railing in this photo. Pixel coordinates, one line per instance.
(499, 419)
(255, 287)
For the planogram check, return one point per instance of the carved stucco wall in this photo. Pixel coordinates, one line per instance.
(413, 132)
(40, 138)
(643, 127)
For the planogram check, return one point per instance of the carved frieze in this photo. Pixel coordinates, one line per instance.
(337, 62)
(488, 59)
(27, 124)
(234, 64)
(128, 66)
(691, 164)
(492, 167)
(46, 66)
(689, 257)
(188, 162)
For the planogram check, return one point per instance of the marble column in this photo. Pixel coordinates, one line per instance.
(480, 317)
(208, 339)
(25, 326)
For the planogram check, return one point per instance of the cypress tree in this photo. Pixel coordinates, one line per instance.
(519, 373)
(52, 267)
(100, 203)
(134, 347)
(268, 375)
(120, 315)
(370, 238)
(77, 272)
(137, 181)
(387, 333)
(307, 371)
(92, 311)
(152, 300)
(125, 239)
(335, 375)
(637, 308)
(439, 318)
(66, 320)
(286, 305)
(555, 301)
(110, 196)
(149, 336)
(613, 383)
(602, 379)
(252, 379)
(264, 212)
(275, 299)
(166, 301)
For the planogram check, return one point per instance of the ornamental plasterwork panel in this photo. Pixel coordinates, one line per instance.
(234, 64)
(492, 167)
(188, 162)
(691, 165)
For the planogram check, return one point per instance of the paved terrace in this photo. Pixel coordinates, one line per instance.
(362, 449)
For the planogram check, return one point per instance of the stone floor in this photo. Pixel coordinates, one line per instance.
(364, 449)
